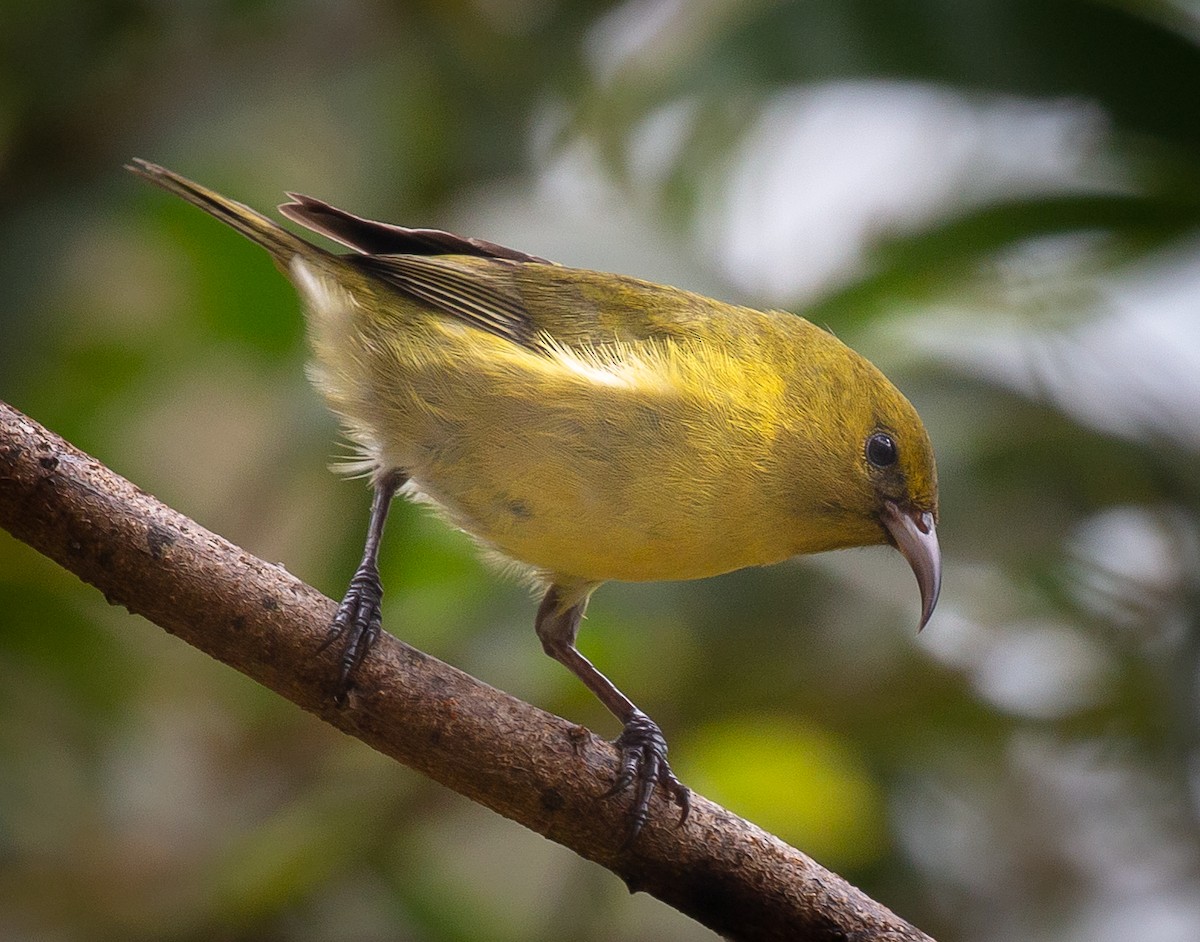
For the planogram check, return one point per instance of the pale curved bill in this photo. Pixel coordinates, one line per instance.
(916, 537)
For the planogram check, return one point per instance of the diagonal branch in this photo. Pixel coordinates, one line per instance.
(526, 764)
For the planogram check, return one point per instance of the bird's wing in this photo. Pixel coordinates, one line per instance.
(538, 304)
(514, 295)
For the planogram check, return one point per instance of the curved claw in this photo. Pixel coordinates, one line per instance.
(644, 763)
(359, 618)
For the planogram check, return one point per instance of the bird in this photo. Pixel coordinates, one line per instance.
(586, 427)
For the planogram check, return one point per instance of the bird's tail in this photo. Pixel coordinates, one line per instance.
(282, 245)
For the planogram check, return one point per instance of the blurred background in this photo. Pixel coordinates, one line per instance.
(997, 201)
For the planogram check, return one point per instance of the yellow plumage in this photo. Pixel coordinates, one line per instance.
(706, 449)
(590, 426)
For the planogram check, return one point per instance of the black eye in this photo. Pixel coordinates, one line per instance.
(881, 450)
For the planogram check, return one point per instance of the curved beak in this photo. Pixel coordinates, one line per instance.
(914, 534)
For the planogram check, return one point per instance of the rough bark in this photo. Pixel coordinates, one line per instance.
(522, 762)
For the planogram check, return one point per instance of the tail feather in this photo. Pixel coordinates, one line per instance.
(282, 245)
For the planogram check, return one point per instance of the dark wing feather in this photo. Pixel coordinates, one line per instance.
(491, 304)
(381, 238)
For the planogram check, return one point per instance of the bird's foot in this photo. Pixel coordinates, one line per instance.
(644, 765)
(358, 620)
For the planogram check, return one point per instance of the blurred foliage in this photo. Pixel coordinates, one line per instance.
(998, 201)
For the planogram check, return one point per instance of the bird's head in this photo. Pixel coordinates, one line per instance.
(875, 466)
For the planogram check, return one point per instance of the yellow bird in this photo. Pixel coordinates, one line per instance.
(590, 426)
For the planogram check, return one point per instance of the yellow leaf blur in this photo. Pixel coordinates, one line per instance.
(800, 781)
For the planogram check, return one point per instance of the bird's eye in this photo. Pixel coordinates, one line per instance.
(881, 450)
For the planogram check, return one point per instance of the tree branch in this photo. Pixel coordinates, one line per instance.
(526, 764)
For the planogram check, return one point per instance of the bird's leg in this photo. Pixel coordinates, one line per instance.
(641, 743)
(360, 615)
